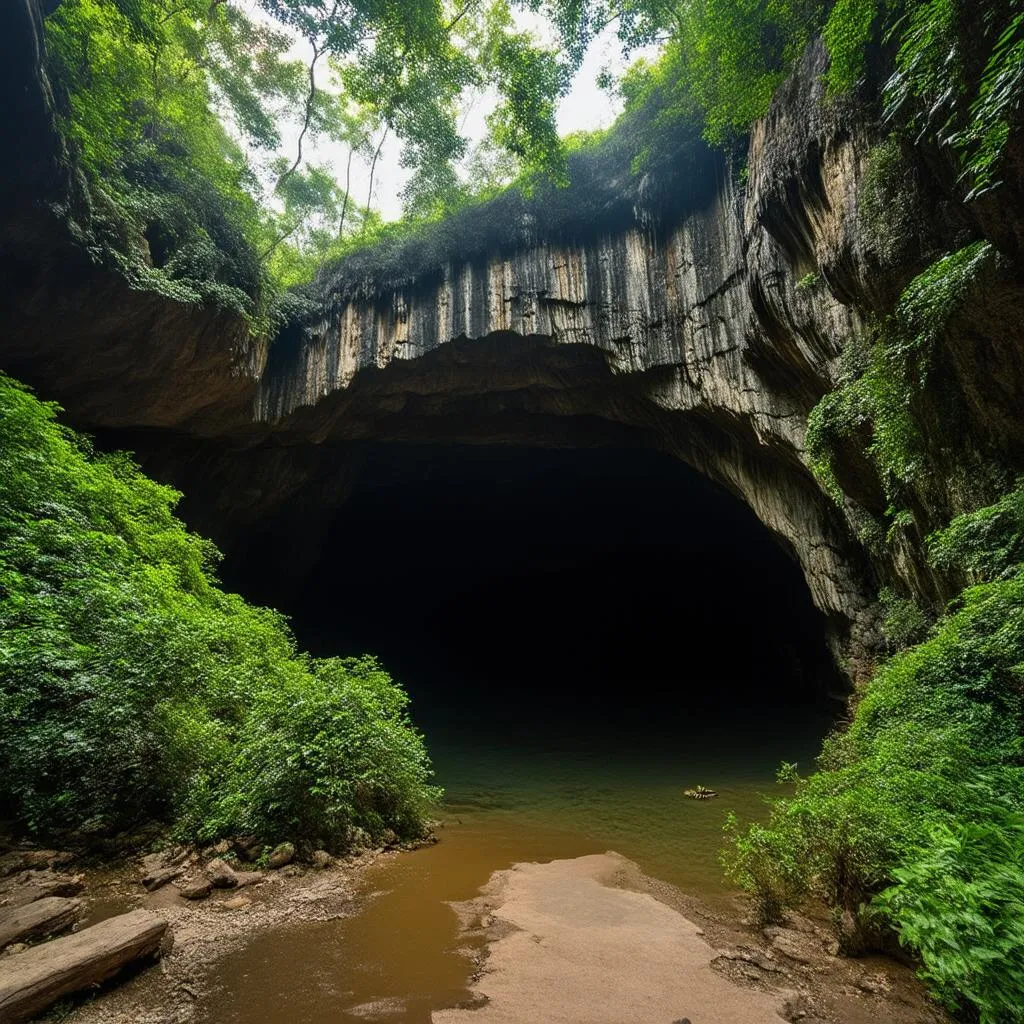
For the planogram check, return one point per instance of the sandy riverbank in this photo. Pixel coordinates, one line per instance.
(592, 940)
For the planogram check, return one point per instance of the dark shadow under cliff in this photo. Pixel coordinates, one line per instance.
(587, 583)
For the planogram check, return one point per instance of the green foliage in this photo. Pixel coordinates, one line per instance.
(175, 199)
(879, 391)
(995, 109)
(916, 809)
(723, 60)
(889, 209)
(958, 77)
(932, 298)
(904, 623)
(959, 902)
(851, 26)
(132, 688)
(987, 543)
(176, 109)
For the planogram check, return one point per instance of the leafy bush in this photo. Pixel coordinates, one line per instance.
(132, 688)
(905, 623)
(987, 543)
(973, 956)
(926, 781)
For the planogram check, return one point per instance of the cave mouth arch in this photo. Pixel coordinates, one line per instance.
(610, 584)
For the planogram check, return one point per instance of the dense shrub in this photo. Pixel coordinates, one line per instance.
(132, 688)
(917, 809)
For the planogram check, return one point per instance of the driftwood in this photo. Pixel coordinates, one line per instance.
(35, 979)
(43, 917)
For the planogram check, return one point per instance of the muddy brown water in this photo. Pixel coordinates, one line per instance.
(520, 798)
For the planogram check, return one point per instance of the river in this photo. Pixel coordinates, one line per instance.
(533, 792)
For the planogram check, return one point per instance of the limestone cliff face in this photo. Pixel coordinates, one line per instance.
(706, 321)
(692, 333)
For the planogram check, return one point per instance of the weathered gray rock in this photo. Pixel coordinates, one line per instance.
(321, 859)
(221, 874)
(156, 879)
(29, 886)
(195, 888)
(247, 848)
(37, 860)
(282, 855)
(246, 878)
(798, 946)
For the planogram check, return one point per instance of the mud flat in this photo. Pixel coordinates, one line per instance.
(570, 945)
(593, 939)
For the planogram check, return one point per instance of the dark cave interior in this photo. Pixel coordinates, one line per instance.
(601, 584)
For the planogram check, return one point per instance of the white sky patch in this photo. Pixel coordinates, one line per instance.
(584, 108)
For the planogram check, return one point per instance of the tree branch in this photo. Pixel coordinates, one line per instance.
(310, 99)
(373, 168)
(348, 190)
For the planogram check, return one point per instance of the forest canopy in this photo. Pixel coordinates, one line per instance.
(194, 121)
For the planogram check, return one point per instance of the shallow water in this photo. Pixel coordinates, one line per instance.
(532, 793)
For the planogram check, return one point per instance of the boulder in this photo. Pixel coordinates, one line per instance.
(36, 860)
(236, 903)
(280, 856)
(156, 879)
(796, 945)
(321, 859)
(10, 863)
(195, 889)
(244, 878)
(247, 848)
(29, 886)
(221, 874)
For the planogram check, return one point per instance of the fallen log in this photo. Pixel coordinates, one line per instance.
(43, 917)
(33, 980)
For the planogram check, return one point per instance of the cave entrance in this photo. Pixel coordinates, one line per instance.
(574, 587)
(584, 633)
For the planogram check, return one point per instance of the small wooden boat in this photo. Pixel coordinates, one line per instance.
(700, 793)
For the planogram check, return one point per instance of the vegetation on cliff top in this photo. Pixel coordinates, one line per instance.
(133, 689)
(179, 112)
